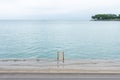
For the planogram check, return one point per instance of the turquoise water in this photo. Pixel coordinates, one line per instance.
(42, 39)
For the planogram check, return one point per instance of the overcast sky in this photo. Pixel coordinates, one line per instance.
(56, 9)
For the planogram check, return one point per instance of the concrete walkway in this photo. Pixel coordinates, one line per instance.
(62, 76)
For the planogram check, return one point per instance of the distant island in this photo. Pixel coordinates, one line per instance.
(106, 17)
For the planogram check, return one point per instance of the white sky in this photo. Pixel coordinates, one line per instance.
(56, 9)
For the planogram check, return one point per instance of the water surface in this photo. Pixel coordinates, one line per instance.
(42, 39)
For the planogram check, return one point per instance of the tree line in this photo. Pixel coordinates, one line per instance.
(106, 17)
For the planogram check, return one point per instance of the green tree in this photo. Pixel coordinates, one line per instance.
(104, 16)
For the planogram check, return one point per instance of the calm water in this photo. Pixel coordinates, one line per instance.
(42, 39)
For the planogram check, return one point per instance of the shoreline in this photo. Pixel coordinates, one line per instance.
(104, 20)
(53, 66)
